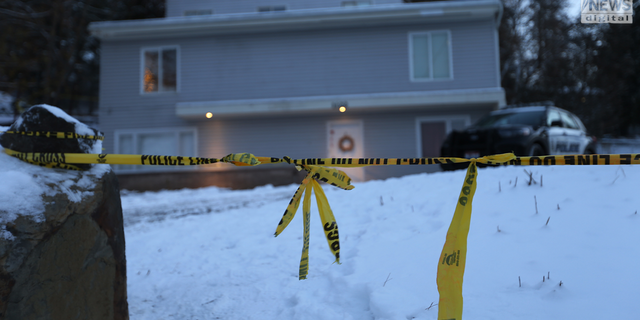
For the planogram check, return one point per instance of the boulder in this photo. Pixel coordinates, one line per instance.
(46, 118)
(62, 245)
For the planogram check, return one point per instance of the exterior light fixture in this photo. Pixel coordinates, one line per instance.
(340, 105)
(209, 115)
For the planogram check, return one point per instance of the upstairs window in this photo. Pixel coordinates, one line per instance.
(430, 55)
(159, 69)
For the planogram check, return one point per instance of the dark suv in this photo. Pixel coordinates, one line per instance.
(525, 131)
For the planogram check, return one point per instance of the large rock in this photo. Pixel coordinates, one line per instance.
(71, 265)
(62, 246)
(46, 118)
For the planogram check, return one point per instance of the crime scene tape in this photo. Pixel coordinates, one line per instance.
(451, 264)
(55, 134)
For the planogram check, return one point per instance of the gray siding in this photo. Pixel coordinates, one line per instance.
(176, 8)
(297, 64)
(294, 64)
(385, 136)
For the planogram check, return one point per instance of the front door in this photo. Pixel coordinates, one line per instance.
(345, 139)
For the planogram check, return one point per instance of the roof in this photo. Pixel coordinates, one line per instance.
(307, 19)
(520, 109)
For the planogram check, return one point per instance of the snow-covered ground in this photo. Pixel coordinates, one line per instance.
(564, 247)
(211, 254)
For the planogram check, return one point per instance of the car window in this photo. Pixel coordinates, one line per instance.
(529, 118)
(554, 115)
(569, 122)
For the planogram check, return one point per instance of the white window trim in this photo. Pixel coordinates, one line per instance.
(141, 80)
(447, 119)
(414, 79)
(136, 132)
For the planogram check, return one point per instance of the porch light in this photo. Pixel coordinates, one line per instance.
(342, 109)
(209, 115)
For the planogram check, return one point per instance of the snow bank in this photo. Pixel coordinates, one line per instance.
(219, 258)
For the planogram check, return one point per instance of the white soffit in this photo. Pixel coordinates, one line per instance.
(298, 105)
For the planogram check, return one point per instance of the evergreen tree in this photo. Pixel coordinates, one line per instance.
(49, 55)
(618, 76)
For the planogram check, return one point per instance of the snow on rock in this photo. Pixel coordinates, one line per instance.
(46, 118)
(23, 186)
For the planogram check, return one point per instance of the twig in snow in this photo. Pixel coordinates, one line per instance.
(519, 282)
(558, 206)
(381, 202)
(385, 282)
(560, 284)
(499, 229)
(624, 174)
(531, 180)
(548, 273)
(614, 180)
(536, 201)
(540, 181)
(499, 188)
(516, 183)
(547, 221)
(214, 300)
(431, 306)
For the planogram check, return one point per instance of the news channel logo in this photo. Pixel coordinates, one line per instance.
(607, 11)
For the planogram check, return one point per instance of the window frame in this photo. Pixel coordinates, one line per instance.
(447, 119)
(137, 132)
(411, 54)
(159, 50)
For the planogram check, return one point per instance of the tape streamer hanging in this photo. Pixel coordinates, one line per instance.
(291, 209)
(306, 211)
(329, 224)
(454, 253)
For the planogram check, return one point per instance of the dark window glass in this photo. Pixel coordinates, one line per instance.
(569, 122)
(169, 70)
(529, 118)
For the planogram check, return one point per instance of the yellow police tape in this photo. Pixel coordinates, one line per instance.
(453, 257)
(55, 134)
(454, 253)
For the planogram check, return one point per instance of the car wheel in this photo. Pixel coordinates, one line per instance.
(536, 150)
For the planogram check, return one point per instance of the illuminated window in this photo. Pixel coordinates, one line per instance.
(430, 55)
(159, 70)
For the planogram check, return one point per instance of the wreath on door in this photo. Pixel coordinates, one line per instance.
(346, 143)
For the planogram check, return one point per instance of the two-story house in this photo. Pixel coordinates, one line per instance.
(306, 79)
